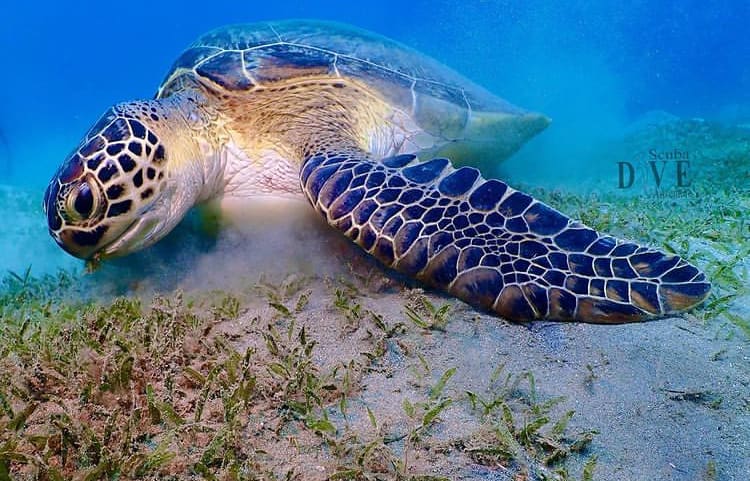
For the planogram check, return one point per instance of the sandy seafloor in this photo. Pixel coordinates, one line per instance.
(668, 397)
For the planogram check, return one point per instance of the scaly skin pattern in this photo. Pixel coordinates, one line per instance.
(213, 134)
(132, 177)
(493, 246)
(142, 166)
(103, 180)
(138, 171)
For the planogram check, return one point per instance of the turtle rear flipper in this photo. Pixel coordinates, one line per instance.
(491, 137)
(491, 245)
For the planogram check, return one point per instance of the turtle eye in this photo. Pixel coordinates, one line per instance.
(82, 202)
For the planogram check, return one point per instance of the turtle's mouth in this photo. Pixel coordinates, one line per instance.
(134, 237)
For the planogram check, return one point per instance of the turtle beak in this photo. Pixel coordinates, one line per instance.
(138, 235)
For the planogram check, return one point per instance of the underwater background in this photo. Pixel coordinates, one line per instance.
(595, 69)
(625, 84)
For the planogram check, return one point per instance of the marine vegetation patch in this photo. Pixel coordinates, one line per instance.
(267, 383)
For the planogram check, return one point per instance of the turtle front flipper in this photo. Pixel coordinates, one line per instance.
(493, 246)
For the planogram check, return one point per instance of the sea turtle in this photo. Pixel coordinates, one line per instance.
(363, 127)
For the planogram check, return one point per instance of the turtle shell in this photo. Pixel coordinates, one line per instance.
(239, 57)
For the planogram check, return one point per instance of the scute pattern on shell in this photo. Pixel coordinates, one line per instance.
(239, 56)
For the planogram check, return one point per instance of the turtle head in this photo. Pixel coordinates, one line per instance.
(120, 190)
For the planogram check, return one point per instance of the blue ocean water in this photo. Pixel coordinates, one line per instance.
(595, 68)
(590, 66)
